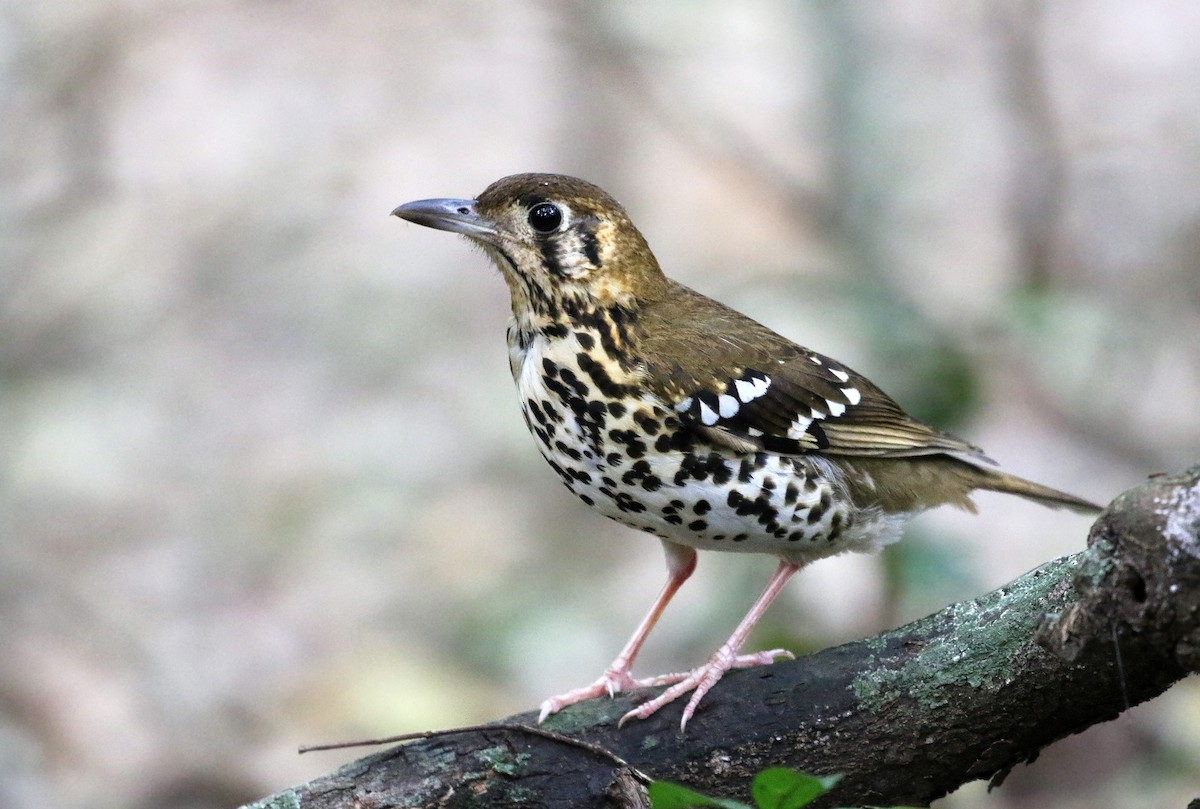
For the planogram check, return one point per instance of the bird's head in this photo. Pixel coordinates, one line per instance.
(563, 244)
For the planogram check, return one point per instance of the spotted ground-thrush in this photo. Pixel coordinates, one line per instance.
(672, 413)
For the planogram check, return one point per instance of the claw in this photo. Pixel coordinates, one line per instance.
(701, 680)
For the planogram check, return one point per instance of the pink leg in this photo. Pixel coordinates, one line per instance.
(681, 562)
(700, 680)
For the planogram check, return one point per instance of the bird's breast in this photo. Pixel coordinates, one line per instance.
(626, 453)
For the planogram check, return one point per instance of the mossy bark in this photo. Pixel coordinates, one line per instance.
(907, 716)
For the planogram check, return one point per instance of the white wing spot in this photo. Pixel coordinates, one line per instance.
(727, 406)
(814, 358)
(707, 417)
(835, 408)
(750, 389)
(684, 406)
(841, 375)
(799, 427)
(852, 395)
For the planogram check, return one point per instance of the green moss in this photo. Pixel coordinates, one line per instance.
(1000, 623)
(288, 799)
(500, 759)
(585, 715)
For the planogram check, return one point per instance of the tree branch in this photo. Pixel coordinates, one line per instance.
(908, 716)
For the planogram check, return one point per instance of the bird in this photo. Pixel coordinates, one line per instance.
(674, 414)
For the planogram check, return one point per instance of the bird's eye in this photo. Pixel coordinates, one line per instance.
(545, 217)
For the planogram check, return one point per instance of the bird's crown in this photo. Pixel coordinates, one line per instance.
(563, 244)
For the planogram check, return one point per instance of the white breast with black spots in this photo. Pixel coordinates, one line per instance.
(625, 453)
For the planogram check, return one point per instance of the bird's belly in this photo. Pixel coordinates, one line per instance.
(636, 464)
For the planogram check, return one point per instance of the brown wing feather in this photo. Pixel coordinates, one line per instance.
(765, 392)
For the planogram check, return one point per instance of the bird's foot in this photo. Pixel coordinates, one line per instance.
(701, 679)
(613, 681)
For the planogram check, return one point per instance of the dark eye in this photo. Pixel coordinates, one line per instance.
(545, 217)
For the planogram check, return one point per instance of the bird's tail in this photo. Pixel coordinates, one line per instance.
(997, 481)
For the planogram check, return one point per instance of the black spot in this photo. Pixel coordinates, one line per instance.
(745, 470)
(600, 376)
(702, 507)
(616, 409)
(681, 441)
(835, 526)
(622, 436)
(740, 537)
(556, 330)
(536, 411)
(652, 483)
(597, 410)
(636, 449)
(721, 471)
(662, 443)
(791, 493)
(796, 536)
(549, 367)
(674, 519)
(556, 387)
(735, 498)
(626, 503)
(586, 341)
(578, 406)
(570, 452)
(639, 471)
(587, 499)
(697, 525)
(568, 376)
(646, 421)
(768, 483)
(815, 514)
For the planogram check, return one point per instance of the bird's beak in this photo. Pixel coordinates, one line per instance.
(454, 215)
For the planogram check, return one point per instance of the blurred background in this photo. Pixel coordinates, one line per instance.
(263, 478)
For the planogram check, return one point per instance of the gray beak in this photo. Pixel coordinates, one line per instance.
(454, 215)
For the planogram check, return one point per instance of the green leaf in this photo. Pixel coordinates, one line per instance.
(666, 795)
(781, 788)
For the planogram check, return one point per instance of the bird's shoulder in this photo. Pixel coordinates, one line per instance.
(746, 386)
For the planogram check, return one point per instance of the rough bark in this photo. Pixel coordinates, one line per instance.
(907, 716)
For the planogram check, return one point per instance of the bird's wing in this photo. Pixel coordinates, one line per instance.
(740, 384)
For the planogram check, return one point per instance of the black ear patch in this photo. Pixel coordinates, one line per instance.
(591, 245)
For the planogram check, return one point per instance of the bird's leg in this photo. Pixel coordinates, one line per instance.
(700, 680)
(681, 562)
